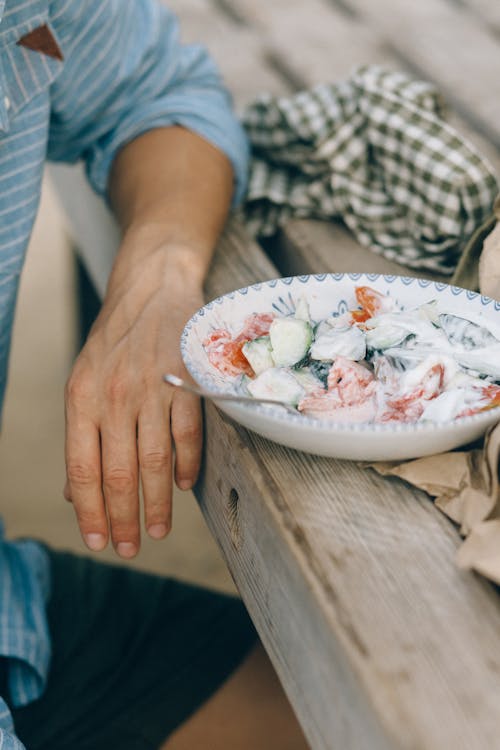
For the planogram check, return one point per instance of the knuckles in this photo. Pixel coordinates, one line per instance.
(120, 481)
(82, 475)
(117, 390)
(78, 389)
(114, 388)
(155, 461)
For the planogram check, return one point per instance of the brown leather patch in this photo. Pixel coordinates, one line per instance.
(41, 40)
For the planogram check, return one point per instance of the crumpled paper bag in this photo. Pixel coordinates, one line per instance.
(465, 485)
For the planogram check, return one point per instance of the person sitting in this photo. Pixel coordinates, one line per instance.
(91, 655)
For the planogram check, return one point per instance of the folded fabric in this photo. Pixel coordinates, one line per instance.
(375, 151)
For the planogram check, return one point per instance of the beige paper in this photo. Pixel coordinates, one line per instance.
(481, 550)
(466, 487)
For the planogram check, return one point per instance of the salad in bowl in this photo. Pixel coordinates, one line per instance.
(377, 367)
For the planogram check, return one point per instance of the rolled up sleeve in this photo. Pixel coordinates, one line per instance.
(125, 73)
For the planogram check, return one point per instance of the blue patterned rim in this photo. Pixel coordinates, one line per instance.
(326, 425)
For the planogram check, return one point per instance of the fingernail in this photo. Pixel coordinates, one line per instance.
(126, 549)
(95, 542)
(157, 530)
(185, 484)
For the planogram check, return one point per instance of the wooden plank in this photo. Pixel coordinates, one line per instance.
(323, 247)
(379, 639)
(282, 598)
(448, 46)
(236, 48)
(487, 10)
(315, 43)
(239, 261)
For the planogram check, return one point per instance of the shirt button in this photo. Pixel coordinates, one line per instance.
(6, 101)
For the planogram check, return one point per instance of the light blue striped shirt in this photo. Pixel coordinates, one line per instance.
(123, 73)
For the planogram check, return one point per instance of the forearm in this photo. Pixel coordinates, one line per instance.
(171, 191)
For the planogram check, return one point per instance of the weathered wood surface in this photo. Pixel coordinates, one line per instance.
(487, 10)
(321, 246)
(444, 43)
(380, 641)
(236, 47)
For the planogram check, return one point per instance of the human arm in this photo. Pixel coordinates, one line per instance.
(171, 191)
(158, 137)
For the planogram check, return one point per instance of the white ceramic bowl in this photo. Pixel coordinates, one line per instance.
(328, 294)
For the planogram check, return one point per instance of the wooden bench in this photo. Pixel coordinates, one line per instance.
(379, 640)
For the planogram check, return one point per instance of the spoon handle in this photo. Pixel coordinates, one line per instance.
(180, 383)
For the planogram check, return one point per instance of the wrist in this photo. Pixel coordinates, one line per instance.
(154, 247)
(158, 278)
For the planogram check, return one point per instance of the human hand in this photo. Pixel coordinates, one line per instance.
(489, 265)
(122, 421)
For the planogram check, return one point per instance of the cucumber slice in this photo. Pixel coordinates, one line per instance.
(290, 340)
(259, 354)
(277, 384)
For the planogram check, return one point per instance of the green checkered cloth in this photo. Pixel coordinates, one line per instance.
(376, 152)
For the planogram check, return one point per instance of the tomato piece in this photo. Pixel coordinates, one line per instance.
(225, 354)
(237, 359)
(369, 300)
(491, 392)
(360, 316)
(256, 325)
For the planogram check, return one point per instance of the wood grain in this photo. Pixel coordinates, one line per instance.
(447, 45)
(324, 247)
(237, 48)
(487, 10)
(380, 641)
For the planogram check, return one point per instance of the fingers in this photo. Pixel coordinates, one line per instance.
(120, 481)
(155, 460)
(182, 419)
(187, 432)
(101, 464)
(84, 480)
(129, 437)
